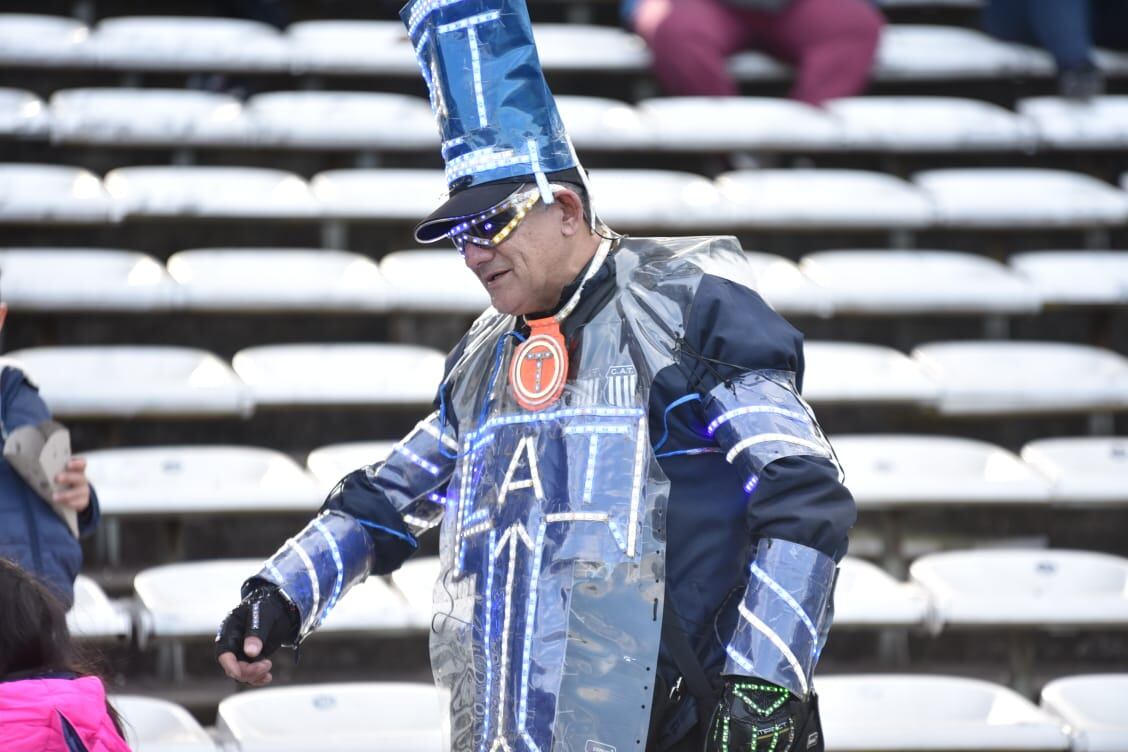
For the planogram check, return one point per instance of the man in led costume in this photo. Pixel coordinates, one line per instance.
(640, 517)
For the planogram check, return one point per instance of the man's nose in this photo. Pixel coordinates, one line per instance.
(476, 255)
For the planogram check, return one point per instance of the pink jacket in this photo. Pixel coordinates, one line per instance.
(30, 711)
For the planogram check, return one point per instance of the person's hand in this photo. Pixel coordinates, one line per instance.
(74, 488)
(755, 715)
(261, 623)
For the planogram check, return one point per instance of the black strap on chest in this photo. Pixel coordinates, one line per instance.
(693, 676)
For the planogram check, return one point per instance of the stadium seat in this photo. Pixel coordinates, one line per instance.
(1010, 377)
(127, 117)
(1077, 277)
(204, 480)
(866, 596)
(1112, 62)
(188, 43)
(212, 192)
(931, 713)
(120, 381)
(1100, 123)
(1020, 197)
(94, 616)
(432, 282)
(853, 373)
(757, 66)
(658, 200)
(1083, 470)
(1036, 589)
(895, 470)
(811, 198)
(22, 114)
(713, 124)
(908, 124)
(391, 717)
(190, 599)
(340, 374)
(42, 41)
(329, 464)
(351, 47)
(605, 124)
(415, 581)
(930, 53)
(582, 47)
(1093, 707)
(84, 279)
(341, 120)
(785, 288)
(277, 279)
(379, 194)
(155, 725)
(890, 283)
(52, 194)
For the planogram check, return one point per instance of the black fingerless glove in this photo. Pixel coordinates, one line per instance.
(263, 613)
(756, 715)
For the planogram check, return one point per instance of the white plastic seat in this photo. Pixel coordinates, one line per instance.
(785, 288)
(1020, 197)
(1100, 123)
(342, 120)
(391, 717)
(811, 198)
(94, 615)
(1025, 588)
(850, 372)
(735, 123)
(190, 599)
(906, 124)
(866, 596)
(131, 382)
(379, 194)
(1114, 62)
(1010, 377)
(22, 114)
(896, 470)
(84, 279)
(1083, 470)
(929, 713)
(432, 281)
(188, 43)
(340, 374)
(42, 41)
(190, 480)
(583, 47)
(146, 117)
(329, 464)
(889, 283)
(658, 200)
(1076, 277)
(216, 192)
(757, 66)
(351, 47)
(415, 581)
(156, 725)
(278, 279)
(1093, 706)
(53, 194)
(934, 53)
(605, 124)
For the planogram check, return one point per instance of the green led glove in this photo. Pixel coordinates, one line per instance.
(757, 716)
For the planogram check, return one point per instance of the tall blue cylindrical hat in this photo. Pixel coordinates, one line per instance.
(497, 119)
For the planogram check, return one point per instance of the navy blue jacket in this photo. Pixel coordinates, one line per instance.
(31, 534)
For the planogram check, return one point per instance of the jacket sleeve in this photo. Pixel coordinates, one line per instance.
(746, 363)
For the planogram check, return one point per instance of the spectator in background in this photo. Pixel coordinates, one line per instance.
(49, 700)
(831, 43)
(32, 532)
(1067, 29)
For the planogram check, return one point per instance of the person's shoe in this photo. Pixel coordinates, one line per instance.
(1081, 85)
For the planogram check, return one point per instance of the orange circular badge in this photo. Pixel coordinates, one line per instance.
(540, 366)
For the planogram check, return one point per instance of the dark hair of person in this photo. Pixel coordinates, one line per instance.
(34, 639)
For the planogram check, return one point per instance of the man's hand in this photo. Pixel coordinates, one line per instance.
(74, 488)
(755, 715)
(261, 623)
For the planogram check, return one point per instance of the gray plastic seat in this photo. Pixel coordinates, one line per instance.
(341, 120)
(22, 114)
(350, 47)
(188, 43)
(1076, 277)
(735, 123)
(935, 53)
(211, 191)
(85, 279)
(605, 124)
(853, 373)
(1100, 123)
(42, 41)
(907, 124)
(49, 193)
(329, 464)
(146, 117)
(1083, 470)
(403, 195)
(584, 47)
(658, 200)
(786, 288)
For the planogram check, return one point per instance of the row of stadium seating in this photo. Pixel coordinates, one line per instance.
(127, 118)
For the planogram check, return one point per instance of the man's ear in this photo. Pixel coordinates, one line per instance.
(571, 212)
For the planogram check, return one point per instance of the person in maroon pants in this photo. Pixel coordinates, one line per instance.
(831, 43)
